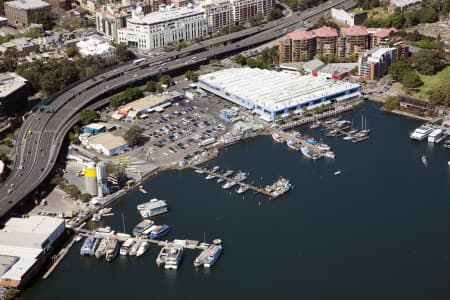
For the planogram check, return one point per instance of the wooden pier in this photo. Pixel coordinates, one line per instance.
(59, 258)
(229, 179)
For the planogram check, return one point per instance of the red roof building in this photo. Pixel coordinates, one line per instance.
(296, 46)
(326, 39)
(354, 40)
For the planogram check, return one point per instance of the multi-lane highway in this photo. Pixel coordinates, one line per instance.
(40, 137)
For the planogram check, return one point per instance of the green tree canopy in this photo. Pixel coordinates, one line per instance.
(87, 116)
(427, 62)
(441, 95)
(391, 103)
(411, 80)
(85, 197)
(165, 79)
(133, 136)
(130, 94)
(122, 53)
(71, 51)
(274, 14)
(39, 17)
(72, 190)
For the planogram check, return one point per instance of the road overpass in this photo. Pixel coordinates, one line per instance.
(41, 136)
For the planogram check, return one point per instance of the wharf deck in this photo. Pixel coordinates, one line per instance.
(59, 257)
(246, 185)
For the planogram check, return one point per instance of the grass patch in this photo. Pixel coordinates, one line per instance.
(431, 83)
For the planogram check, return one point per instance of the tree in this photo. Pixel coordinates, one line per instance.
(150, 86)
(411, 80)
(39, 17)
(8, 142)
(71, 51)
(87, 116)
(72, 190)
(240, 59)
(191, 75)
(133, 136)
(166, 80)
(33, 33)
(4, 158)
(441, 95)
(275, 14)
(8, 62)
(391, 103)
(427, 62)
(85, 197)
(256, 19)
(397, 69)
(122, 53)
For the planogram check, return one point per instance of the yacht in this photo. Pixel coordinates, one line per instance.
(127, 246)
(213, 255)
(199, 171)
(101, 250)
(152, 208)
(135, 247)
(242, 189)
(277, 138)
(228, 185)
(162, 256)
(421, 133)
(158, 231)
(142, 226)
(228, 173)
(323, 147)
(292, 145)
(347, 138)
(436, 136)
(208, 177)
(353, 131)
(307, 153)
(329, 154)
(89, 246)
(424, 160)
(174, 258)
(112, 248)
(143, 248)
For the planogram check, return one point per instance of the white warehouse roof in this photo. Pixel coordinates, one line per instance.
(94, 47)
(273, 90)
(166, 15)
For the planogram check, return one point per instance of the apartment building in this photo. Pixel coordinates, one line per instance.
(375, 63)
(296, 46)
(18, 12)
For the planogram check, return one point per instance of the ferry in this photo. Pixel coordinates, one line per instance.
(143, 247)
(242, 189)
(209, 255)
(89, 246)
(174, 258)
(329, 154)
(162, 256)
(126, 246)
(159, 231)
(436, 136)
(142, 226)
(101, 250)
(152, 208)
(112, 248)
(228, 185)
(135, 247)
(421, 133)
(214, 254)
(277, 138)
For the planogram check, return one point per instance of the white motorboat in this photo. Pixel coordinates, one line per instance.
(143, 248)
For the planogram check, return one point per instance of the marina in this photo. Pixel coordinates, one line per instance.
(275, 190)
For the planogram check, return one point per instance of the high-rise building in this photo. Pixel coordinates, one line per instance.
(218, 14)
(354, 40)
(297, 46)
(326, 38)
(375, 63)
(382, 37)
(243, 10)
(163, 28)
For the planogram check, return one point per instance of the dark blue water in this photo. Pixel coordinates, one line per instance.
(380, 230)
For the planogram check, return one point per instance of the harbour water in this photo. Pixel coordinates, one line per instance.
(380, 230)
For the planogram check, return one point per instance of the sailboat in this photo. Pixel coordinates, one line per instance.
(364, 126)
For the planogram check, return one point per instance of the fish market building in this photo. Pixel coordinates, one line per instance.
(275, 95)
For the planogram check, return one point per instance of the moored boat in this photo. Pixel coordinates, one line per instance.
(101, 250)
(135, 247)
(242, 189)
(174, 258)
(158, 231)
(142, 226)
(228, 173)
(213, 255)
(277, 138)
(152, 208)
(112, 248)
(162, 256)
(329, 154)
(209, 176)
(228, 185)
(125, 248)
(323, 147)
(293, 145)
(143, 247)
(89, 246)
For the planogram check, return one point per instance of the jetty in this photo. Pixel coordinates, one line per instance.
(59, 257)
(255, 189)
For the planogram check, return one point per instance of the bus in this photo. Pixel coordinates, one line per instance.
(138, 61)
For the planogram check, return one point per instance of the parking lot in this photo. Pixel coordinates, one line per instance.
(180, 130)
